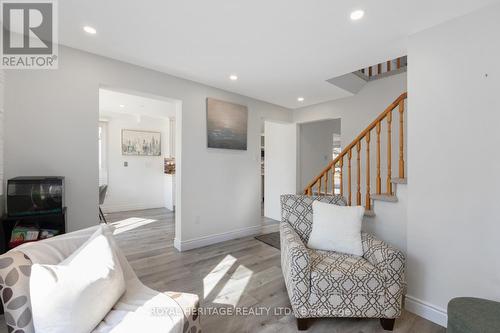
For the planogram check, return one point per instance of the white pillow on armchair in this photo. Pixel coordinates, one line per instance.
(336, 228)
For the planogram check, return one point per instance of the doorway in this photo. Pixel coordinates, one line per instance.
(319, 143)
(136, 151)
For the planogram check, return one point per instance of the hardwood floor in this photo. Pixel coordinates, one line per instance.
(238, 274)
(243, 273)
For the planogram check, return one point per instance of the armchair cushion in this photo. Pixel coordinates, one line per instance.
(336, 228)
(297, 211)
(338, 273)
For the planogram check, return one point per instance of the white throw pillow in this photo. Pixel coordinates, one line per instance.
(336, 228)
(75, 295)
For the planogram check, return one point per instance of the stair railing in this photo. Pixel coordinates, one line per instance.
(337, 165)
(375, 71)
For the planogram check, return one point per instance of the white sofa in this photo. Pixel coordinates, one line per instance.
(140, 309)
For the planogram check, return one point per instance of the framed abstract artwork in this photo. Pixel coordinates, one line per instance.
(226, 125)
(141, 143)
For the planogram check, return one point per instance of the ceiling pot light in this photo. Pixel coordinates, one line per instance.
(122, 106)
(233, 77)
(89, 30)
(300, 99)
(357, 14)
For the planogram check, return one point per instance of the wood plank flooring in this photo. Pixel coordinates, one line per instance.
(238, 274)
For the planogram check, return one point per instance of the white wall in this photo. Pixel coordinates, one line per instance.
(358, 111)
(140, 185)
(220, 188)
(280, 165)
(315, 148)
(453, 222)
(390, 220)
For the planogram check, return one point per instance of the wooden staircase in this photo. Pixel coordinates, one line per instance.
(338, 176)
(381, 70)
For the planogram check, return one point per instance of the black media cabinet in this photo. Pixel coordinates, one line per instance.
(55, 221)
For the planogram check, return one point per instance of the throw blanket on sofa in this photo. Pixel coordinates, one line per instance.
(140, 309)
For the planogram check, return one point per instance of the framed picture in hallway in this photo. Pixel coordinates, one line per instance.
(141, 143)
(226, 125)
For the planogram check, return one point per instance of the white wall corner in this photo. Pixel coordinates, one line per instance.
(426, 310)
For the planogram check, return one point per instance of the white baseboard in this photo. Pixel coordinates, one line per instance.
(127, 207)
(177, 244)
(426, 310)
(225, 236)
(272, 227)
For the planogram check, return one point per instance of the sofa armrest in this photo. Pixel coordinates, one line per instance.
(15, 270)
(190, 305)
(391, 262)
(296, 264)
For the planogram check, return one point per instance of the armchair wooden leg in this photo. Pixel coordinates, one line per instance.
(387, 324)
(302, 324)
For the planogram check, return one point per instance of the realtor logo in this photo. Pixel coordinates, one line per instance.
(29, 34)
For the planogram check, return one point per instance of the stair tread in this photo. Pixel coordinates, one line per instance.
(399, 180)
(384, 197)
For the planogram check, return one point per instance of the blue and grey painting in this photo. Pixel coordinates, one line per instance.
(226, 125)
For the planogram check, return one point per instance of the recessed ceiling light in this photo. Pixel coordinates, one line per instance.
(233, 77)
(122, 106)
(300, 99)
(357, 14)
(89, 30)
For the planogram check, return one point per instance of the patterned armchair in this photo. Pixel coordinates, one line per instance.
(331, 284)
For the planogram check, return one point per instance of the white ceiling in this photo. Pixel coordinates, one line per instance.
(111, 102)
(280, 49)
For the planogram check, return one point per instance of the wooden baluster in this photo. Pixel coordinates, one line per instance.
(309, 191)
(349, 188)
(379, 69)
(388, 65)
(326, 182)
(401, 139)
(368, 204)
(378, 179)
(370, 71)
(333, 179)
(398, 62)
(358, 175)
(341, 166)
(389, 153)
(319, 185)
